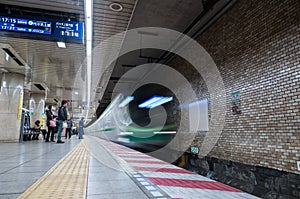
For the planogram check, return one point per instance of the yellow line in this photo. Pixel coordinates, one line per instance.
(66, 179)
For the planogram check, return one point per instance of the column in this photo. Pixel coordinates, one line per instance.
(11, 101)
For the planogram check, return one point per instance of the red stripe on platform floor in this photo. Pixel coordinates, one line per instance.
(192, 184)
(140, 156)
(125, 152)
(167, 170)
(146, 162)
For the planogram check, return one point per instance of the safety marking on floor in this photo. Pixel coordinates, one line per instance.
(150, 189)
(157, 177)
(66, 179)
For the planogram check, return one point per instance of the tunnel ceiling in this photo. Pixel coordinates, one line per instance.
(176, 15)
(188, 17)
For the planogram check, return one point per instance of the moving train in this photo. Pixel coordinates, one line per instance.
(128, 122)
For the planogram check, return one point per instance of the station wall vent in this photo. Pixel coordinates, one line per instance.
(40, 87)
(13, 56)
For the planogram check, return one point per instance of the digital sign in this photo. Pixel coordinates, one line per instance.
(25, 25)
(68, 29)
(52, 30)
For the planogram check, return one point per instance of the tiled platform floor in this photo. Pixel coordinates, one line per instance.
(21, 164)
(113, 172)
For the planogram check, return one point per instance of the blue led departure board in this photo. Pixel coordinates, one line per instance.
(25, 25)
(53, 30)
(68, 29)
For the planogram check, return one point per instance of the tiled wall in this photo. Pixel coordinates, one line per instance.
(256, 46)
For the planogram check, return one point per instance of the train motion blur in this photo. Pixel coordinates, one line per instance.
(141, 124)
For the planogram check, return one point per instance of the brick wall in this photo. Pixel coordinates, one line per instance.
(256, 46)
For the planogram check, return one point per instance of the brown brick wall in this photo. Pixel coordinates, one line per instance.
(256, 46)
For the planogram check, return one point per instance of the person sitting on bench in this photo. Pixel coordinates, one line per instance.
(36, 129)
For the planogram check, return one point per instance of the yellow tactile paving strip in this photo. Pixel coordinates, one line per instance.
(66, 179)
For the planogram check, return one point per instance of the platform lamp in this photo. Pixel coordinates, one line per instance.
(61, 44)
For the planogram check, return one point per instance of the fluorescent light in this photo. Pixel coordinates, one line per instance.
(126, 101)
(155, 101)
(123, 140)
(88, 4)
(150, 101)
(76, 93)
(25, 109)
(160, 102)
(165, 132)
(126, 133)
(61, 44)
(6, 56)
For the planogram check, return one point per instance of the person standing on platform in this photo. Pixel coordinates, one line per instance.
(62, 118)
(69, 128)
(49, 115)
(81, 124)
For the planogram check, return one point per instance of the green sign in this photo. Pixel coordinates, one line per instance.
(194, 149)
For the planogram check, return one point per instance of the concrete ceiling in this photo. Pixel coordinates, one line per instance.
(59, 69)
(171, 14)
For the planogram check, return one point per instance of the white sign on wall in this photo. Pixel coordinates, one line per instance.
(198, 115)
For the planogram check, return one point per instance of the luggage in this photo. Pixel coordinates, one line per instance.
(63, 133)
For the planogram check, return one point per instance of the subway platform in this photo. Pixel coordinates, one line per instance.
(95, 168)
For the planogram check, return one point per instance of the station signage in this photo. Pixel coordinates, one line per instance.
(51, 30)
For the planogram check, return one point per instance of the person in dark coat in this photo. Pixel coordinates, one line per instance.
(62, 118)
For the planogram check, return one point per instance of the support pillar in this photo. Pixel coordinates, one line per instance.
(11, 102)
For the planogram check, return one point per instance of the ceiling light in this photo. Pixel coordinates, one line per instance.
(150, 101)
(116, 7)
(61, 44)
(126, 101)
(126, 133)
(76, 93)
(88, 12)
(155, 101)
(160, 102)
(165, 132)
(6, 56)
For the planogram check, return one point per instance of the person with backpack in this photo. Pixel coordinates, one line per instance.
(62, 119)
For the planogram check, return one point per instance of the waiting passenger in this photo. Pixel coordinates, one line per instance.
(62, 118)
(51, 124)
(37, 130)
(69, 128)
(81, 124)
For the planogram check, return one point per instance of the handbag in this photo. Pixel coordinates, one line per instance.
(65, 125)
(52, 123)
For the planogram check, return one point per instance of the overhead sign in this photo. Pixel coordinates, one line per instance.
(25, 25)
(69, 30)
(53, 30)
